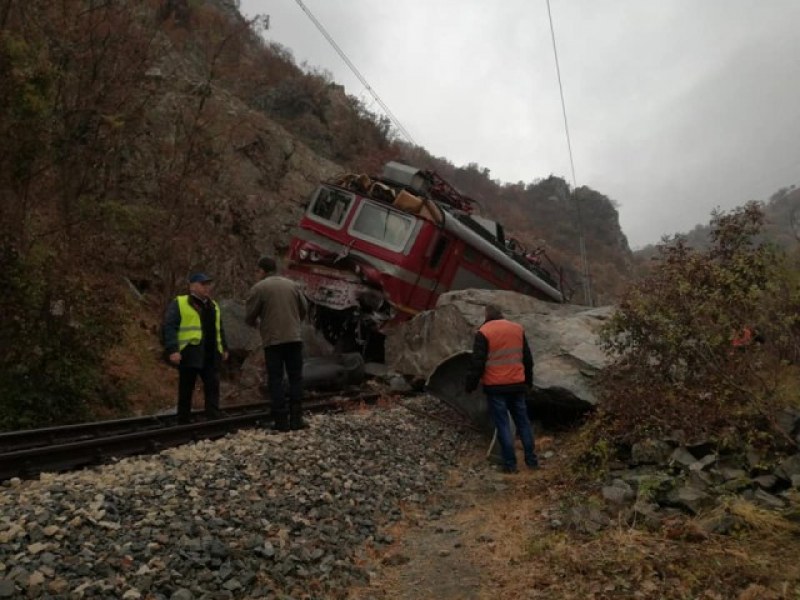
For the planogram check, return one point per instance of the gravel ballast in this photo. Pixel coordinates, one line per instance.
(255, 514)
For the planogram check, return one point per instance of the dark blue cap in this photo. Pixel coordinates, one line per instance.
(199, 278)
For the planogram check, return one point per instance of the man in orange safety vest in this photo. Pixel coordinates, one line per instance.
(503, 363)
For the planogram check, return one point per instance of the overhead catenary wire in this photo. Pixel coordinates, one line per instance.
(395, 121)
(585, 275)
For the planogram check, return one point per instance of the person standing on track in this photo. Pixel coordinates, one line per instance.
(194, 341)
(279, 307)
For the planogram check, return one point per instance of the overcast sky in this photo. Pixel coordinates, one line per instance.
(675, 107)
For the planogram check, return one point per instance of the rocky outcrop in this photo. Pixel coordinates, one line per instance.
(563, 339)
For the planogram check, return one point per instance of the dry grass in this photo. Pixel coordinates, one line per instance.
(150, 385)
(527, 556)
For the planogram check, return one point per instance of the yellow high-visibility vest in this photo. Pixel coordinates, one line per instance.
(191, 329)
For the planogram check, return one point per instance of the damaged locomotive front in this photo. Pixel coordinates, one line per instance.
(373, 251)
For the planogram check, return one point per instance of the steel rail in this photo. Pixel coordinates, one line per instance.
(91, 444)
(33, 438)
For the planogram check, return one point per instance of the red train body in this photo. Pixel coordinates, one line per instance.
(373, 251)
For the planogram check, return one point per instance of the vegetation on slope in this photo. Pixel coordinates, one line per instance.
(677, 365)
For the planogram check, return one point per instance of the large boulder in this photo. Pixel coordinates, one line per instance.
(563, 339)
(242, 339)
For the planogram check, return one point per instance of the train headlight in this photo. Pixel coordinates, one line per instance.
(303, 254)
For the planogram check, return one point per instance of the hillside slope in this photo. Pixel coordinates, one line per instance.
(143, 141)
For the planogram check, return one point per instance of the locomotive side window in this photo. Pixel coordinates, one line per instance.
(381, 225)
(331, 206)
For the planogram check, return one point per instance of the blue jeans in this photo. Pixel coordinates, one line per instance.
(499, 406)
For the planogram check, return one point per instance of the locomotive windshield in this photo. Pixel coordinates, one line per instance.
(382, 225)
(331, 206)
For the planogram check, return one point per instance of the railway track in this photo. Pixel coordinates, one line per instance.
(28, 453)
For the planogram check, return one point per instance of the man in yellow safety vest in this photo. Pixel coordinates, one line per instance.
(194, 341)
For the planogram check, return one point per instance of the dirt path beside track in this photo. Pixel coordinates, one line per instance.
(451, 548)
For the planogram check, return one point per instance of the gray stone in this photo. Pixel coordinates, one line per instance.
(707, 460)
(399, 385)
(7, 588)
(650, 452)
(217, 519)
(688, 498)
(217, 549)
(701, 479)
(682, 457)
(768, 500)
(766, 482)
(619, 492)
(646, 513)
(787, 421)
(789, 467)
(729, 473)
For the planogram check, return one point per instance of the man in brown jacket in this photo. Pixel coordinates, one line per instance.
(278, 306)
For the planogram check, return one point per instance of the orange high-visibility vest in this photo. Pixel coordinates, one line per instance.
(743, 338)
(504, 360)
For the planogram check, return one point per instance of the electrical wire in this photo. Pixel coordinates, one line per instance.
(398, 125)
(585, 275)
(561, 92)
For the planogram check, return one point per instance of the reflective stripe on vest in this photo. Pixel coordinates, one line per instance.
(504, 359)
(191, 329)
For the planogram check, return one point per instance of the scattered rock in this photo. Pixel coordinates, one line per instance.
(243, 516)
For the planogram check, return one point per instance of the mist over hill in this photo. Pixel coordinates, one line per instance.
(781, 227)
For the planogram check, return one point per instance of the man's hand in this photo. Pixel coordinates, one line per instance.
(175, 358)
(225, 356)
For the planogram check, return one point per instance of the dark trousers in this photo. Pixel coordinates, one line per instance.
(286, 357)
(187, 377)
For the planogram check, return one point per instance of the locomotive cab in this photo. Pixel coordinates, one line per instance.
(369, 253)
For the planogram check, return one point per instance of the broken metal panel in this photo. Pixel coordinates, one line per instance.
(405, 175)
(324, 290)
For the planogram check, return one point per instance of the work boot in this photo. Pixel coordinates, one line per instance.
(281, 422)
(296, 418)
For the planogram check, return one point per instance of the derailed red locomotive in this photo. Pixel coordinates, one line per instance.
(372, 251)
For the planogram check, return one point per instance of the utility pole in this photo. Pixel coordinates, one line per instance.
(586, 281)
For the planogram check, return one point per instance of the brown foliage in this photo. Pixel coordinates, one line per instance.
(677, 367)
